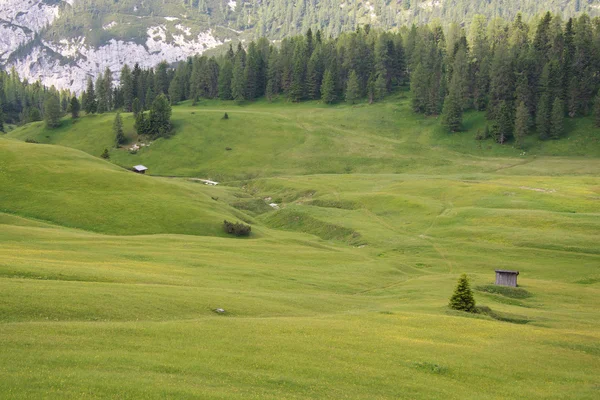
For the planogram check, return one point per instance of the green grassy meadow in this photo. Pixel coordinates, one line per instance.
(109, 280)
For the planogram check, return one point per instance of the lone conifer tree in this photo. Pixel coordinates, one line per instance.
(462, 299)
(118, 130)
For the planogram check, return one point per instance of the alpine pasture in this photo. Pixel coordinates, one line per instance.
(109, 279)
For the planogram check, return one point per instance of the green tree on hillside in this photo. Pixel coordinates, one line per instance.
(328, 88)
(521, 124)
(557, 124)
(597, 110)
(352, 89)
(52, 111)
(224, 83)
(238, 81)
(136, 107)
(160, 117)
(1, 119)
(89, 104)
(118, 130)
(75, 107)
(542, 117)
(462, 299)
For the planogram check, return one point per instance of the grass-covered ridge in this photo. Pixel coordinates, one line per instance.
(280, 138)
(71, 188)
(342, 292)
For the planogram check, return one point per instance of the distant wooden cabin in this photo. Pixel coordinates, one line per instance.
(506, 278)
(140, 169)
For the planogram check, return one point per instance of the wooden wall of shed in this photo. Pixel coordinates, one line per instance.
(506, 279)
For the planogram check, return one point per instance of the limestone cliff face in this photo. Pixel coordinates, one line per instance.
(67, 63)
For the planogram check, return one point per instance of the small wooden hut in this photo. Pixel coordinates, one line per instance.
(140, 169)
(506, 278)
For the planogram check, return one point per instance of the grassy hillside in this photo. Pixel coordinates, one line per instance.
(309, 138)
(340, 293)
(71, 188)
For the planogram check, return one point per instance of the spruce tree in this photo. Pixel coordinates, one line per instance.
(127, 88)
(105, 154)
(597, 110)
(521, 124)
(90, 105)
(225, 76)
(118, 130)
(452, 112)
(52, 111)
(504, 123)
(557, 121)
(462, 299)
(238, 81)
(328, 88)
(380, 87)
(136, 107)
(101, 105)
(160, 117)
(418, 88)
(1, 119)
(352, 88)
(75, 107)
(542, 117)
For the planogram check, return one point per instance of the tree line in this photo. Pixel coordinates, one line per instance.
(525, 76)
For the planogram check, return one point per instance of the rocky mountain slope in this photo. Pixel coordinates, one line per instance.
(63, 42)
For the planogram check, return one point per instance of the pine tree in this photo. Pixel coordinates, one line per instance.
(127, 88)
(225, 77)
(105, 154)
(75, 107)
(521, 124)
(542, 117)
(462, 299)
(101, 104)
(328, 88)
(379, 87)
(597, 110)
(161, 82)
(136, 107)
(52, 111)
(557, 122)
(452, 112)
(160, 117)
(118, 130)
(418, 88)
(504, 123)
(238, 81)
(352, 88)
(89, 105)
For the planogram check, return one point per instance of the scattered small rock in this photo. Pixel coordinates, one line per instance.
(219, 311)
(275, 206)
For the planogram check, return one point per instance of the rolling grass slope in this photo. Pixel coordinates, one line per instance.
(341, 293)
(73, 189)
(278, 138)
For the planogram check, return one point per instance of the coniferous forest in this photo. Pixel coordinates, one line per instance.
(526, 77)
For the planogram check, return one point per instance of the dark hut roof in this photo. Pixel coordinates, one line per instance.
(506, 271)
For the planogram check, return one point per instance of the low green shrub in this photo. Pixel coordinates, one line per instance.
(236, 228)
